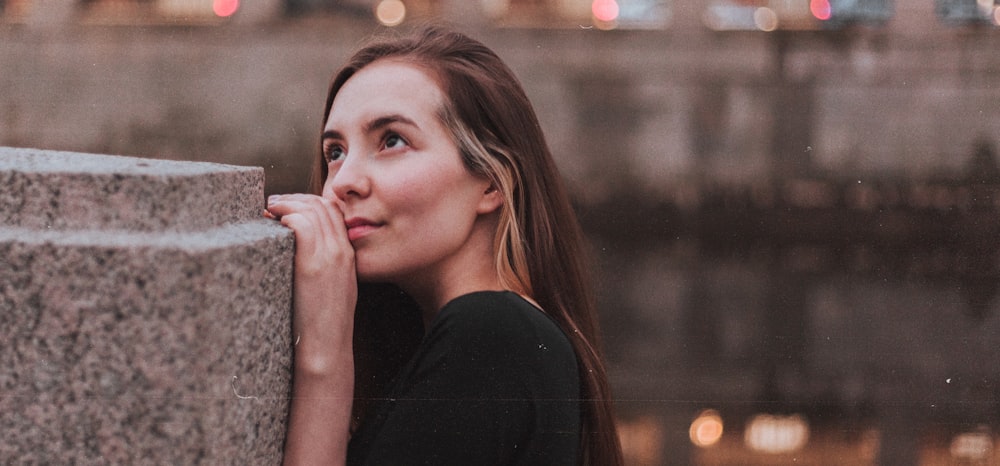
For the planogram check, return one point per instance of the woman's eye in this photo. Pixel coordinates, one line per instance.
(393, 141)
(334, 153)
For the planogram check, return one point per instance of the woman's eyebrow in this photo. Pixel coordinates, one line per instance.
(331, 134)
(383, 121)
(374, 125)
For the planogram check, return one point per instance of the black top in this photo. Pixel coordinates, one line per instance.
(494, 382)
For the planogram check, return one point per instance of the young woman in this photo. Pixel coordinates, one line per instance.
(435, 177)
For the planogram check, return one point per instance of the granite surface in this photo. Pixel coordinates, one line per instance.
(134, 338)
(67, 191)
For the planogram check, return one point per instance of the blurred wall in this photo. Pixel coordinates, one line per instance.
(646, 111)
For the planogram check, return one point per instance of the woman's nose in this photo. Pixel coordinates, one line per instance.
(348, 181)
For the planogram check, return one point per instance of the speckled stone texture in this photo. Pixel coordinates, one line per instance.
(145, 312)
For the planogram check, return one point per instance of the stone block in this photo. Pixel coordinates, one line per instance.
(145, 312)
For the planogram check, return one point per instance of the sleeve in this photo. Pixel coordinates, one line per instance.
(474, 394)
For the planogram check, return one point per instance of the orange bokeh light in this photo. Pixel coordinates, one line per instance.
(706, 430)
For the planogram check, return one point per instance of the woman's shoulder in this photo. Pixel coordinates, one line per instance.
(501, 317)
(495, 309)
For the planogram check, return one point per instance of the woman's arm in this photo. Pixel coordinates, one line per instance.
(325, 294)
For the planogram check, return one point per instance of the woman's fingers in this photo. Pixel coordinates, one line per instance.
(328, 215)
(321, 236)
(318, 225)
(325, 279)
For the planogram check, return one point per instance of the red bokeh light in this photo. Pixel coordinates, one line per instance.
(820, 9)
(225, 8)
(605, 10)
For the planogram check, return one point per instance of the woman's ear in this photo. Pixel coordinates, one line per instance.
(492, 200)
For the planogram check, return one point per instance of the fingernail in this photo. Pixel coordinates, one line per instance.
(272, 199)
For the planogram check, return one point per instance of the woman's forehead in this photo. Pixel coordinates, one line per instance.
(386, 87)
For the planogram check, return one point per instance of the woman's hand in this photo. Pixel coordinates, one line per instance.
(325, 294)
(325, 281)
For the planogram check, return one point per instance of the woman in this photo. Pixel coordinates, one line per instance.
(435, 177)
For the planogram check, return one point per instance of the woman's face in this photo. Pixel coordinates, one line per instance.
(409, 202)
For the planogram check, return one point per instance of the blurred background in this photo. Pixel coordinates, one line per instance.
(793, 204)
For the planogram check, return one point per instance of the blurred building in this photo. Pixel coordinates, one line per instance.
(794, 204)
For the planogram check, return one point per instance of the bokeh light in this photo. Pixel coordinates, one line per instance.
(706, 429)
(642, 440)
(225, 8)
(495, 8)
(776, 434)
(821, 9)
(605, 10)
(976, 446)
(390, 12)
(765, 19)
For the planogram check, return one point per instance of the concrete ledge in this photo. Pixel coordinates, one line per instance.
(143, 346)
(67, 190)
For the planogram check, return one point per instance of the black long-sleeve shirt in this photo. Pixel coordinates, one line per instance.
(494, 382)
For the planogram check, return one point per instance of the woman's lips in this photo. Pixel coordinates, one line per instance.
(360, 227)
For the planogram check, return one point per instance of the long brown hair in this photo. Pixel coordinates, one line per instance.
(539, 244)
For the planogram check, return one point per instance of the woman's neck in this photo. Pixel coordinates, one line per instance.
(470, 268)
